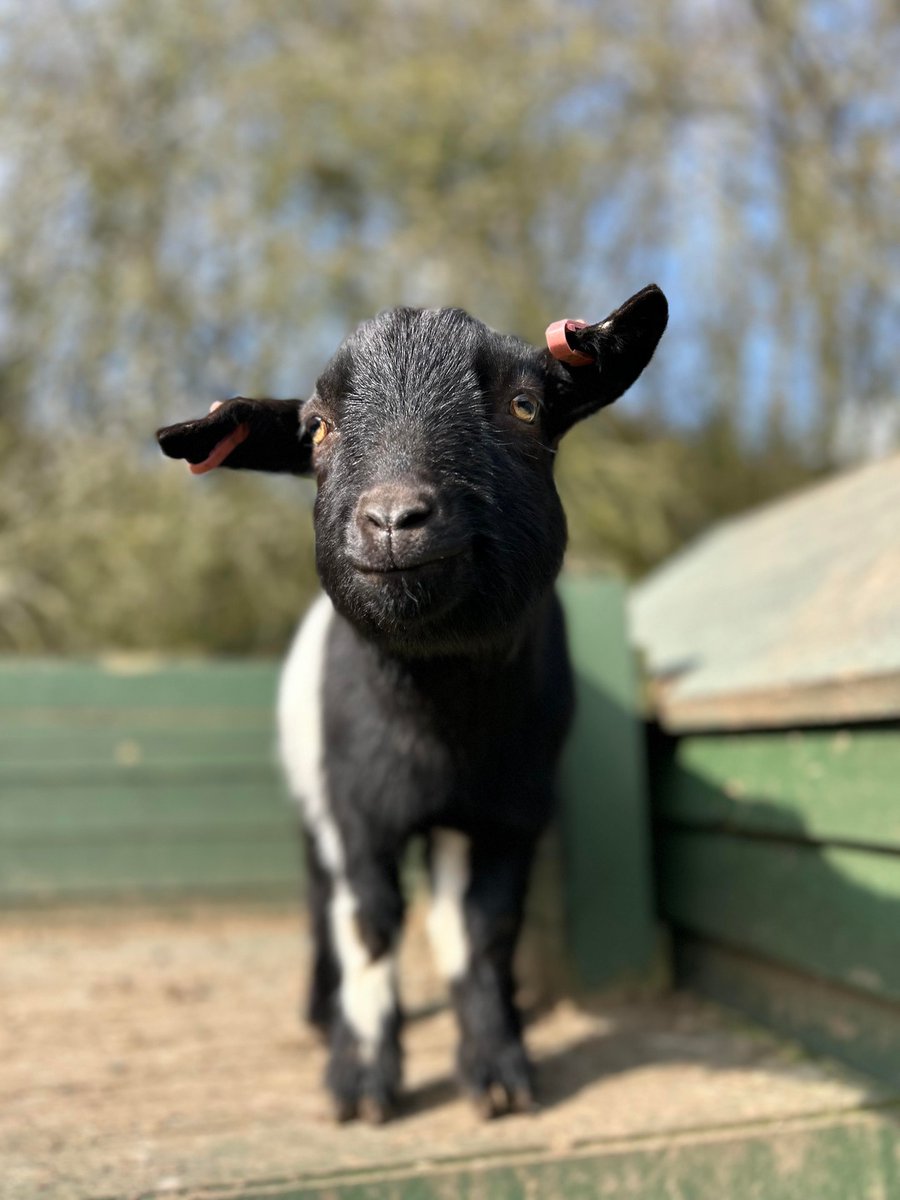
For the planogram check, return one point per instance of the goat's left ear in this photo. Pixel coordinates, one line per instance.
(590, 366)
(254, 435)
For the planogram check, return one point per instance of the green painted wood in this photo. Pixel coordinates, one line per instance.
(152, 865)
(62, 776)
(158, 778)
(832, 912)
(828, 1019)
(832, 786)
(139, 780)
(128, 807)
(835, 1158)
(228, 746)
(130, 721)
(129, 718)
(56, 683)
(610, 910)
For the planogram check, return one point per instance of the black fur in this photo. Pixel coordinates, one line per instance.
(447, 691)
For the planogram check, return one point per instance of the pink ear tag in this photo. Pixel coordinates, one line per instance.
(558, 342)
(221, 450)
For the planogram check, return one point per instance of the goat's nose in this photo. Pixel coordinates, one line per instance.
(394, 506)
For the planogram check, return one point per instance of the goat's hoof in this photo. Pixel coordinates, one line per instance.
(523, 1101)
(499, 1081)
(483, 1103)
(376, 1110)
(498, 1101)
(343, 1109)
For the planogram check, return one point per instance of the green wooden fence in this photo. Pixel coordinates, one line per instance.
(139, 782)
(779, 869)
(159, 782)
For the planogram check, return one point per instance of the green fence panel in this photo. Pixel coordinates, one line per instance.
(832, 912)
(826, 785)
(830, 1019)
(606, 841)
(779, 867)
(160, 779)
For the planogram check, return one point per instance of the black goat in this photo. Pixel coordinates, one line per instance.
(429, 691)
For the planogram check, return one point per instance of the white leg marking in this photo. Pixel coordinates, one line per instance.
(368, 988)
(446, 920)
(301, 739)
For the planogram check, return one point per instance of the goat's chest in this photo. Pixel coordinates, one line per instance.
(412, 745)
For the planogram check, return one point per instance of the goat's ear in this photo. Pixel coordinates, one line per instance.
(256, 435)
(590, 366)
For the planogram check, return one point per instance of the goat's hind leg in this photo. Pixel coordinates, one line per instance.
(479, 888)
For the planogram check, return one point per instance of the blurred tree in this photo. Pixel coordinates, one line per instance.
(199, 200)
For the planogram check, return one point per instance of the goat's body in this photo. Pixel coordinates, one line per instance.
(379, 749)
(433, 698)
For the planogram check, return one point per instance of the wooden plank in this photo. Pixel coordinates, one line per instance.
(229, 745)
(128, 718)
(864, 698)
(255, 860)
(833, 1158)
(833, 786)
(606, 846)
(832, 912)
(55, 683)
(827, 1019)
(132, 807)
(64, 775)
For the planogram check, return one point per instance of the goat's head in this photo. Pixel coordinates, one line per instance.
(438, 525)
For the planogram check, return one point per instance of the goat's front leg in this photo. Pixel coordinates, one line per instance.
(479, 887)
(366, 915)
(325, 976)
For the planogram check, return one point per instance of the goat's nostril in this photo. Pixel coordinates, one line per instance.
(377, 515)
(410, 515)
(393, 508)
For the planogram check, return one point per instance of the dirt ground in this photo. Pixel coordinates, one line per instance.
(153, 1053)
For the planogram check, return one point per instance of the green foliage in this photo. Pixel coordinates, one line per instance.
(200, 199)
(103, 550)
(635, 492)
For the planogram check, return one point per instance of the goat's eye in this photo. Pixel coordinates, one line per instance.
(524, 408)
(318, 430)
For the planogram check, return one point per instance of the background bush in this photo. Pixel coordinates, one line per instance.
(200, 199)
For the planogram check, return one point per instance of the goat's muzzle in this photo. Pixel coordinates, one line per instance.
(401, 527)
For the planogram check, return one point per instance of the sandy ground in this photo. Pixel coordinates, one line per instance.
(158, 1052)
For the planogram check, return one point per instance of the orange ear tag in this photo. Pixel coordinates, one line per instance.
(221, 450)
(558, 342)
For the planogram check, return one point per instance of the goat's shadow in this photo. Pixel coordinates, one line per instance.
(679, 1028)
(676, 1029)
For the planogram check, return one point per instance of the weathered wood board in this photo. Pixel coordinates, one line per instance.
(836, 786)
(779, 869)
(772, 646)
(786, 615)
(832, 912)
(845, 1022)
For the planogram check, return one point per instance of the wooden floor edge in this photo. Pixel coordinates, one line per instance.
(873, 1115)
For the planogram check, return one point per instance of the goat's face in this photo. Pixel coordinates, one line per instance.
(432, 438)
(436, 518)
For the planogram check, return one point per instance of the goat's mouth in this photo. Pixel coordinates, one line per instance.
(405, 567)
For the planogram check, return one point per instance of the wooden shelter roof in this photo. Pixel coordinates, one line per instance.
(787, 615)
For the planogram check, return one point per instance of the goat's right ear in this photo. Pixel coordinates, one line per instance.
(254, 435)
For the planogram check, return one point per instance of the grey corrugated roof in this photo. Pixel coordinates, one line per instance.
(802, 593)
